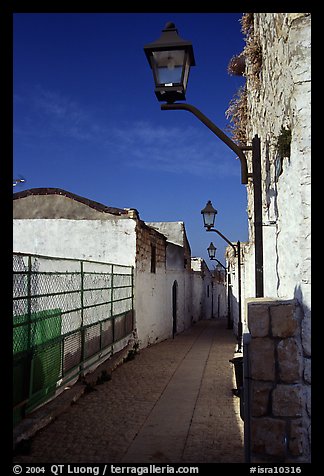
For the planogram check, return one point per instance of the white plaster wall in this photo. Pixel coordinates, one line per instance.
(184, 298)
(176, 271)
(248, 281)
(197, 296)
(219, 301)
(153, 298)
(176, 251)
(202, 298)
(174, 231)
(283, 99)
(32, 236)
(110, 241)
(187, 315)
(187, 322)
(153, 322)
(234, 297)
(207, 293)
(113, 241)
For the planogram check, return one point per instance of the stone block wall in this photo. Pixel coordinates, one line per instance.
(146, 238)
(279, 383)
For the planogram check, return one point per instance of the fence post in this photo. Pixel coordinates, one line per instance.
(82, 323)
(112, 306)
(30, 340)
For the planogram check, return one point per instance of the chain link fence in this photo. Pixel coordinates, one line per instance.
(67, 316)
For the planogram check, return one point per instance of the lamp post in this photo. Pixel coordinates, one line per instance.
(171, 58)
(209, 214)
(212, 256)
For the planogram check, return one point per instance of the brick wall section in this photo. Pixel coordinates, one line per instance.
(147, 236)
(280, 383)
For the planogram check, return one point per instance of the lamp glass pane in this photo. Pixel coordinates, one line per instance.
(211, 251)
(186, 72)
(168, 66)
(209, 219)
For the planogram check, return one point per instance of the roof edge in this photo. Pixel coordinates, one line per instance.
(78, 198)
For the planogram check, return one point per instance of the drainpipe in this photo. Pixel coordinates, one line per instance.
(239, 325)
(247, 397)
(258, 231)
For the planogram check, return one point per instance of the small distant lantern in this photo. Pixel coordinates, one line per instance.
(211, 251)
(170, 58)
(209, 214)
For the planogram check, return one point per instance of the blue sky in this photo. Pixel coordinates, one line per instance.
(86, 118)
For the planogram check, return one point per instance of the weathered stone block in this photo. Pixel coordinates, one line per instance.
(268, 436)
(297, 437)
(283, 319)
(306, 335)
(258, 319)
(307, 371)
(290, 360)
(260, 398)
(287, 400)
(308, 394)
(262, 359)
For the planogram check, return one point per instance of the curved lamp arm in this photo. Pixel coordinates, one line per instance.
(238, 255)
(223, 137)
(215, 259)
(224, 238)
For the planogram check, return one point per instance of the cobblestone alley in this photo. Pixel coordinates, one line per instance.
(172, 403)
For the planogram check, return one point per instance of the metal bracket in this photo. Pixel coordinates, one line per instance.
(218, 132)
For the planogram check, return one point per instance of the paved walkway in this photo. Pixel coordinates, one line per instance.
(172, 404)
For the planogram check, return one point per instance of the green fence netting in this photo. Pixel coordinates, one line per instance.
(67, 316)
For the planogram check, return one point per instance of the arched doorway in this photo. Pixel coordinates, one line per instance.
(174, 307)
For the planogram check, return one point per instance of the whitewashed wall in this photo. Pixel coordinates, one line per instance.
(115, 241)
(178, 255)
(197, 296)
(282, 100)
(109, 241)
(204, 290)
(177, 272)
(153, 320)
(220, 300)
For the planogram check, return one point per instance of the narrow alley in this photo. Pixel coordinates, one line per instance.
(172, 403)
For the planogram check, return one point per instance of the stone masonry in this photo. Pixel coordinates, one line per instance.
(279, 383)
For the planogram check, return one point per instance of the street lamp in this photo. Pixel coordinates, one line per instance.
(212, 251)
(212, 255)
(209, 215)
(170, 58)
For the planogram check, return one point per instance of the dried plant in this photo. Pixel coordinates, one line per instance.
(251, 56)
(236, 66)
(252, 50)
(247, 24)
(237, 114)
